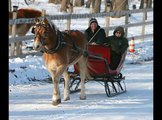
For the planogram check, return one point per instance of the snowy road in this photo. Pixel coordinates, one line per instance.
(33, 101)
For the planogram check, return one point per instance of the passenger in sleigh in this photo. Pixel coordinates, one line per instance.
(94, 33)
(118, 45)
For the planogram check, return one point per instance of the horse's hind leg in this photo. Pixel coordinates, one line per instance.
(82, 69)
(66, 86)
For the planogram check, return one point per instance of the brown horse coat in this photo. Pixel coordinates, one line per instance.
(22, 29)
(60, 50)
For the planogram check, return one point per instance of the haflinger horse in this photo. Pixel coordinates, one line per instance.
(22, 29)
(60, 50)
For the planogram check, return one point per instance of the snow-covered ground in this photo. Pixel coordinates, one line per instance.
(30, 96)
(33, 101)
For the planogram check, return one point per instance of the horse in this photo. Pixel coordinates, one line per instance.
(22, 29)
(61, 50)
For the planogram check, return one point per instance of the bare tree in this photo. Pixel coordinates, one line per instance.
(108, 3)
(97, 6)
(88, 3)
(9, 5)
(79, 3)
(148, 4)
(64, 4)
(54, 1)
(118, 5)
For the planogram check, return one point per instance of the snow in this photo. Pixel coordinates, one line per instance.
(30, 92)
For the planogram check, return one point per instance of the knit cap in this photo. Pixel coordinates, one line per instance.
(92, 20)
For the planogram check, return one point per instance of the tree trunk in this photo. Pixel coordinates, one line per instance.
(148, 4)
(88, 3)
(79, 3)
(97, 6)
(108, 3)
(141, 4)
(10, 6)
(118, 5)
(64, 4)
(54, 1)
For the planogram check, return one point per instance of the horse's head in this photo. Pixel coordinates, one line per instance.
(43, 33)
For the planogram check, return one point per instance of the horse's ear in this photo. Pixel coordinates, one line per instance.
(33, 30)
(36, 20)
(45, 21)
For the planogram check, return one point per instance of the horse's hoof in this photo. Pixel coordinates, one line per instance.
(83, 98)
(67, 98)
(56, 102)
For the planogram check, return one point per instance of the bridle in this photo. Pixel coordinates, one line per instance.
(38, 35)
(59, 39)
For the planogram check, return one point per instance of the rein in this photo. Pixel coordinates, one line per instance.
(94, 35)
(59, 42)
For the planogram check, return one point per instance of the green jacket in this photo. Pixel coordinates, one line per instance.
(117, 44)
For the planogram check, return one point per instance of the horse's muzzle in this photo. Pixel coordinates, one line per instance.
(37, 46)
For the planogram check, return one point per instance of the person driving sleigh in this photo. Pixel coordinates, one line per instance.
(94, 33)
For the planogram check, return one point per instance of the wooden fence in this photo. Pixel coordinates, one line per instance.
(70, 16)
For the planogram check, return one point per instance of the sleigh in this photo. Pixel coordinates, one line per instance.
(99, 59)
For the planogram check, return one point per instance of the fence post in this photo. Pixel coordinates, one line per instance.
(9, 5)
(69, 10)
(144, 18)
(12, 51)
(126, 21)
(108, 8)
(145, 4)
(43, 13)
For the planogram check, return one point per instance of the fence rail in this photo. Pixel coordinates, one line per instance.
(79, 16)
(29, 37)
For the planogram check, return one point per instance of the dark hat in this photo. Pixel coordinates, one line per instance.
(121, 29)
(92, 20)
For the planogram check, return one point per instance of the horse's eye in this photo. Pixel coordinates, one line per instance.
(33, 30)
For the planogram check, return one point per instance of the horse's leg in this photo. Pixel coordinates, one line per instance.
(18, 48)
(82, 67)
(66, 86)
(56, 99)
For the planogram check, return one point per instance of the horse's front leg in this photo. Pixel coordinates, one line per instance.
(56, 98)
(66, 86)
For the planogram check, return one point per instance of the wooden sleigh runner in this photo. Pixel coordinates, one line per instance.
(99, 59)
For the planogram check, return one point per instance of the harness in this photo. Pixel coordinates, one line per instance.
(60, 42)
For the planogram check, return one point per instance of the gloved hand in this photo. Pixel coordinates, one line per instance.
(93, 43)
